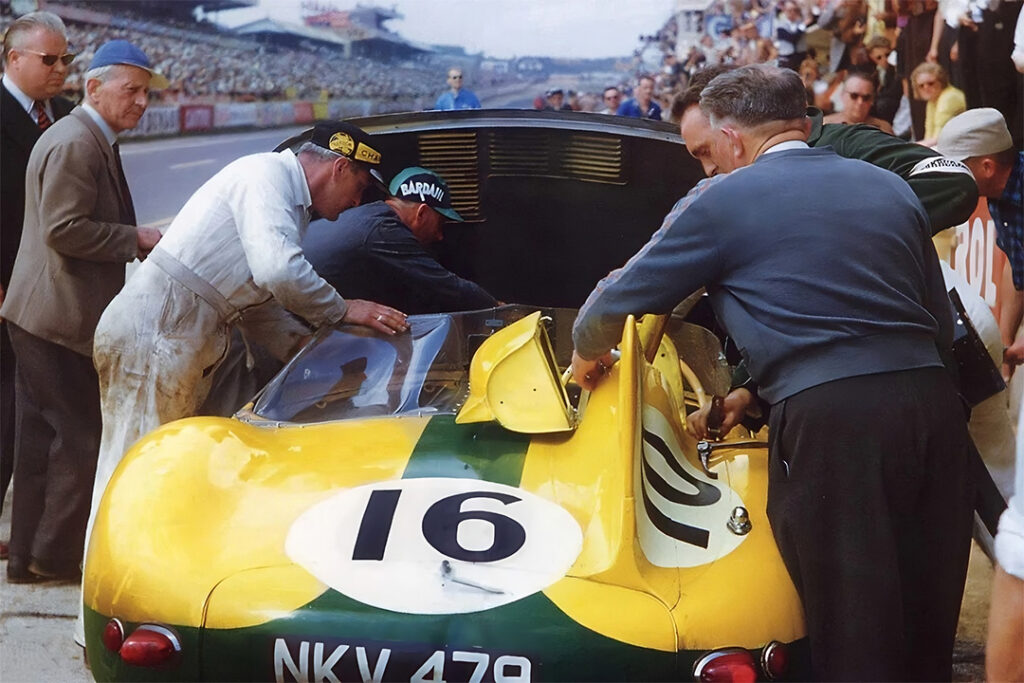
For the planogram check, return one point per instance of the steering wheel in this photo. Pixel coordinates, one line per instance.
(698, 389)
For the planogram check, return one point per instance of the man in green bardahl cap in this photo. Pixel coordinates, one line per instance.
(377, 251)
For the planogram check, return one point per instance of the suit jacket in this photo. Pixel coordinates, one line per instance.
(18, 134)
(76, 237)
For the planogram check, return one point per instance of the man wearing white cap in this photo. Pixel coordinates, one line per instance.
(980, 138)
(79, 231)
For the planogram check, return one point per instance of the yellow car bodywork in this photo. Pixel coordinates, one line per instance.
(204, 500)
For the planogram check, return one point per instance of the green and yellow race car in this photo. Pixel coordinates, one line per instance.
(440, 505)
(404, 508)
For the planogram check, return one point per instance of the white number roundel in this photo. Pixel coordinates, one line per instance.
(435, 546)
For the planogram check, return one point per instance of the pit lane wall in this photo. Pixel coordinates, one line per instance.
(164, 120)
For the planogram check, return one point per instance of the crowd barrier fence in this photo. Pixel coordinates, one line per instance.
(166, 120)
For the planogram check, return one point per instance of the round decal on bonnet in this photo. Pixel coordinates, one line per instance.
(435, 546)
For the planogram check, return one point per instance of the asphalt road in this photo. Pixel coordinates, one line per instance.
(163, 174)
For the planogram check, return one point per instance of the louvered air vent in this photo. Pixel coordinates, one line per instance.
(576, 156)
(454, 156)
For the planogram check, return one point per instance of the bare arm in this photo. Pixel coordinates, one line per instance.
(1011, 312)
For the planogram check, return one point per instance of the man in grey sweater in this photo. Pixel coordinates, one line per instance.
(870, 496)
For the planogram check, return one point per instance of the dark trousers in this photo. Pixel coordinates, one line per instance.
(6, 413)
(870, 501)
(58, 425)
(989, 79)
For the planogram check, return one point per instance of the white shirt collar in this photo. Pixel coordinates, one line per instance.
(108, 132)
(301, 186)
(24, 100)
(788, 144)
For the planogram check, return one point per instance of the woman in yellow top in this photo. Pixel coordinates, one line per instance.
(931, 84)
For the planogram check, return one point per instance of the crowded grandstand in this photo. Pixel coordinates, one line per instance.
(353, 57)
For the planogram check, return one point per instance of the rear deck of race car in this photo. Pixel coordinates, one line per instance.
(230, 606)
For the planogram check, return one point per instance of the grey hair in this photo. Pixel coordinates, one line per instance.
(27, 23)
(101, 74)
(311, 148)
(754, 95)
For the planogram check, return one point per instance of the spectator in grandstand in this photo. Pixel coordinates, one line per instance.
(642, 104)
(857, 97)
(377, 251)
(673, 74)
(916, 19)
(79, 231)
(573, 101)
(890, 89)
(791, 36)
(943, 101)
(456, 97)
(945, 32)
(611, 98)
(847, 20)
(35, 65)
(984, 42)
(554, 100)
(817, 88)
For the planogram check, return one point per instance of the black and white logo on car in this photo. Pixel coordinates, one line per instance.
(681, 513)
(435, 545)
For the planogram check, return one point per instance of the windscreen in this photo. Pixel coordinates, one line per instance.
(352, 372)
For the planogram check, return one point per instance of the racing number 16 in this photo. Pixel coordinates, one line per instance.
(440, 526)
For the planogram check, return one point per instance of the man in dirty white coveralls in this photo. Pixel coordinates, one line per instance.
(232, 256)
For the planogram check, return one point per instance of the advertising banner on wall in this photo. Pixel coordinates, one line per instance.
(196, 117)
(234, 114)
(303, 112)
(156, 121)
(275, 114)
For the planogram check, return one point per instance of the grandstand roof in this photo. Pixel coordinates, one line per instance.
(345, 37)
(273, 26)
(692, 5)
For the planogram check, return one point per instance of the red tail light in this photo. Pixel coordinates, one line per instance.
(151, 645)
(775, 660)
(113, 635)
(731, 665)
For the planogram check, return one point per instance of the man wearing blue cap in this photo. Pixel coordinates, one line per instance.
(377, 251)
(79, 232)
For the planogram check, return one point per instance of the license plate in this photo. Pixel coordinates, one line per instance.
(334, 660)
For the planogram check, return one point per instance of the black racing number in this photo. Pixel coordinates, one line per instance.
(442, 520)
(440, 526)
(376, 526)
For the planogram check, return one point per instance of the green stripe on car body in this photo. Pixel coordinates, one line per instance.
(484, 451)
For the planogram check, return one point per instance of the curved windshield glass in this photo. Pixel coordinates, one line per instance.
(351, 372)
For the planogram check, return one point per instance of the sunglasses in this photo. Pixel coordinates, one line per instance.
(458, 78)
(50, 60)
(866, 96)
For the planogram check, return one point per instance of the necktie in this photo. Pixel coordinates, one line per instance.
(128, 210)
(42, 120)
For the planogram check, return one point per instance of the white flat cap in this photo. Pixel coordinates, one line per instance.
(974, 133)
